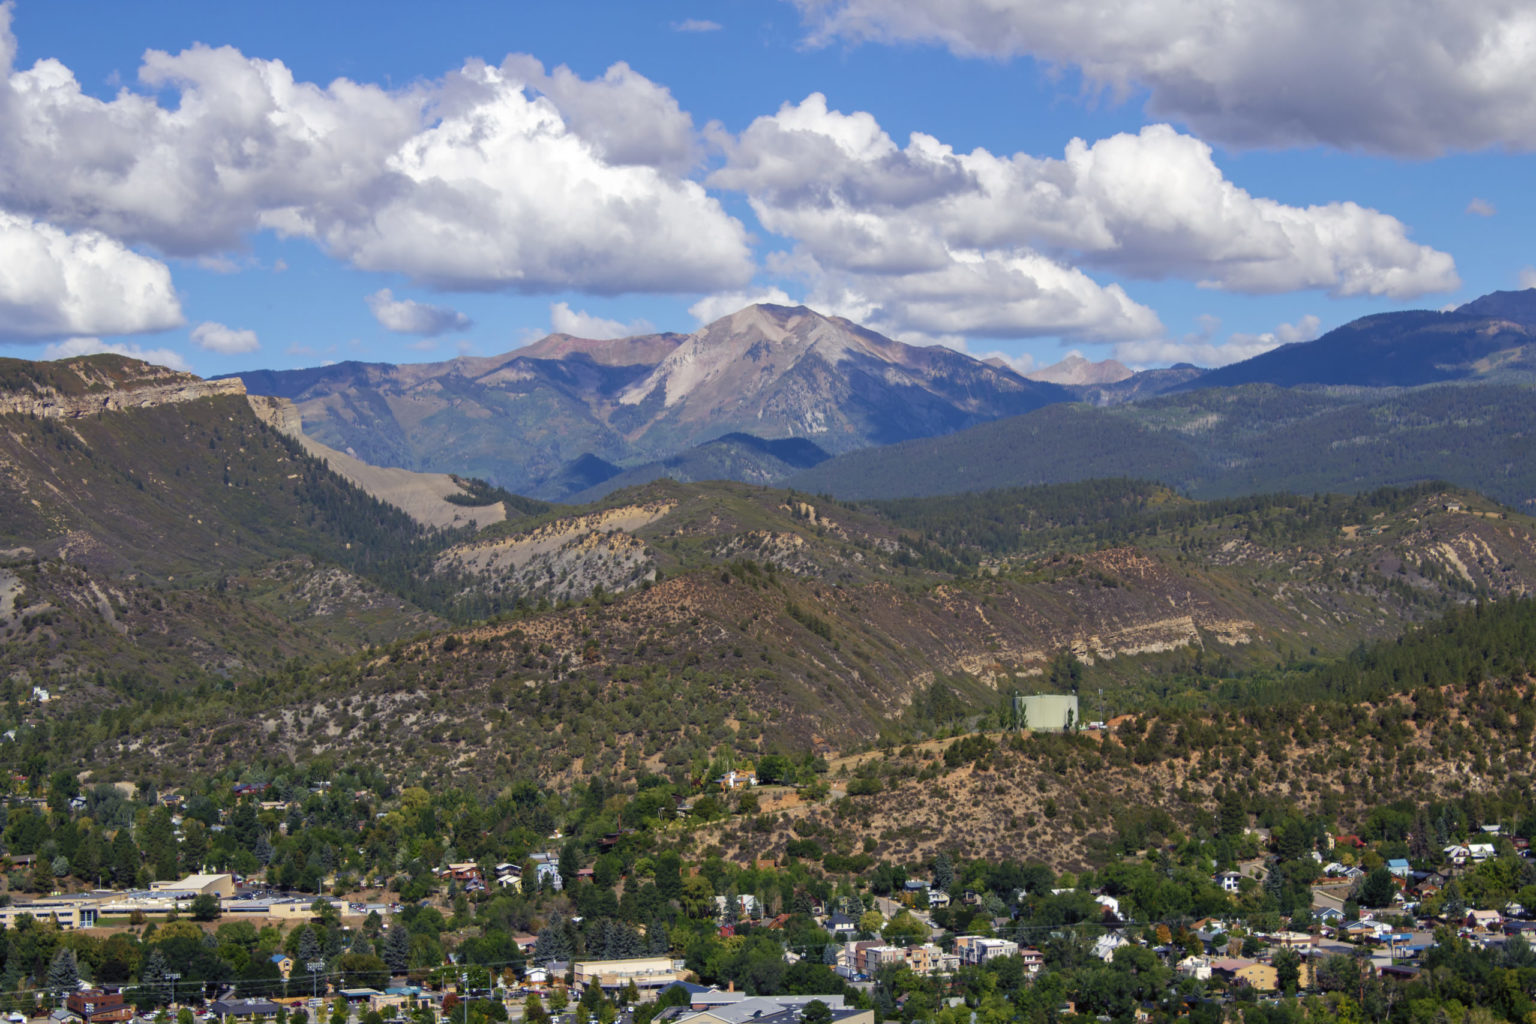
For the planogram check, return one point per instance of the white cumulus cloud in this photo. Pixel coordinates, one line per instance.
(1152, 204)
(215, 337)
(488, 178)
(986, 294)
(55, 283)
(581, 324)
(1369, 74)
(71, 347)
(407, 316)
(626, 116)
(1203, 349)
(1481, 208)
(500, 193)
(713, 307)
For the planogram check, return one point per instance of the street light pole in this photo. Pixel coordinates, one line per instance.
(315, 967)
(173, 977)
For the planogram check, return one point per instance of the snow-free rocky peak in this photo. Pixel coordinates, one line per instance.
(1075, 370)
(738, 354)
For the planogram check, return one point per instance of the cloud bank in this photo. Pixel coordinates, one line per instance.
(927, 239)
(491, 178)
(1420, 80)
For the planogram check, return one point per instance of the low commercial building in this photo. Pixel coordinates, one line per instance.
(715, 1007)
(93, 1006)
(648, 973)
(68, 912)
(222, 886)
(244, 1009)
(974, 949)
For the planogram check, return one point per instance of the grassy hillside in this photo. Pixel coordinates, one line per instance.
(201, 594)
(756, 621)
(187, 544)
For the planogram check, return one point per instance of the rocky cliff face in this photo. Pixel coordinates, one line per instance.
(94, 384)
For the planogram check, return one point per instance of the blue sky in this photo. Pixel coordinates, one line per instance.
(191, 181)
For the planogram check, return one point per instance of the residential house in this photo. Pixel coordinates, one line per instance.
(734, 779)
(1230, 881)
(546, 866)
(1484, 920)
(746, 906)
(842, 926)
(1399, 867)
(1105, 945)
(284, 964)
(1197, 967)
(464, 871)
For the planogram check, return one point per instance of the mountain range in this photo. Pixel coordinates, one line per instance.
(547, 419)
(773, 394)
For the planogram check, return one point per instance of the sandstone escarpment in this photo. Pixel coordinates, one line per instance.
(89, 386)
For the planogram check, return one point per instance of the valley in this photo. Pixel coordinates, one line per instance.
(203, 609)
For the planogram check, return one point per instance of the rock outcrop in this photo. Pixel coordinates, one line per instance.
(110, 392)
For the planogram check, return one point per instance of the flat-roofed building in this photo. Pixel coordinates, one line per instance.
(93, 1006)
(68, 912)
(647, 972)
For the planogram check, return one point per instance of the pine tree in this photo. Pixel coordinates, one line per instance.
(159, 844)
(555, 941)
(309, 945)
(64, 971)
(125, 858)
(397, 949)
(943, 872)
(658, 938)
(152, 976)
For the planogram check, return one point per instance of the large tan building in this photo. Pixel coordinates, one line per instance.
(222, 886)
(68, 912)
(647, 972)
